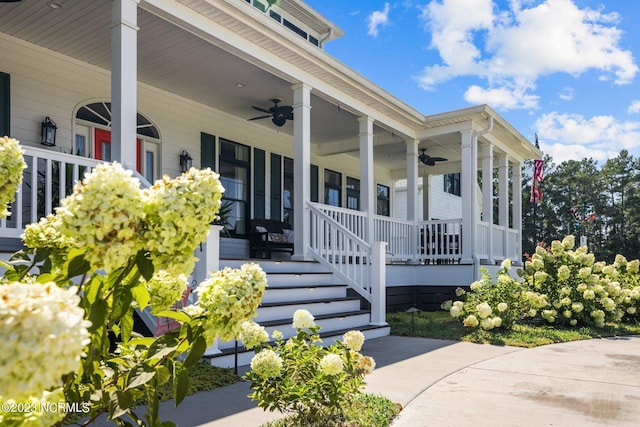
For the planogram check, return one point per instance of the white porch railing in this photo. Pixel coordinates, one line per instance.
(337, 247)
(360, 264)
(49, 178)
(439, 240)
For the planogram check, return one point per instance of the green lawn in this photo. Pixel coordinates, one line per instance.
(441, 325)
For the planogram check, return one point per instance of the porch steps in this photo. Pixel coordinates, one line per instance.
(293, 285)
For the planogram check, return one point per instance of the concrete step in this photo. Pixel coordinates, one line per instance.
(275, 266)
(281, 278)
(317, 307)
(287, 294)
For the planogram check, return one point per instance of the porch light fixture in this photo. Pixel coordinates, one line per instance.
(186, 161)
(48, 132)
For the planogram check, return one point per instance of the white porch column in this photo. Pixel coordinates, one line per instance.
(516, 182)
(124, 80)
(487, 196)
(469, 193)
(412, 192)
(301, 167)
(503, 200)
(378, 283)
(412, 180)
(367, 180)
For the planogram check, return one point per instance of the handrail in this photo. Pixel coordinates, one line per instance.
(48, 178)
(336, 247)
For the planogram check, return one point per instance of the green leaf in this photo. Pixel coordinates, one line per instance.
(77, 265)
(126, 324)
(144, 341)
(45, 278)
(180, 383)
(119, 403)
(141, 295)
(93, 287)
(180, 316)
(198, 348)
(140, 375)
(145, 265)
(41, 254)
(122, 298)
(98, 314)
(163, 374)
(162, 347)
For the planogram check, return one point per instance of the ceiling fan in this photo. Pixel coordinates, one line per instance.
(279, 114)
(428, 160)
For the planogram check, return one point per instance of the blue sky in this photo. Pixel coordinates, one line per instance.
(567, 70)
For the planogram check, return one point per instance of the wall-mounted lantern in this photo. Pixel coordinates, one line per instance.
(48, 132)
(186, 161)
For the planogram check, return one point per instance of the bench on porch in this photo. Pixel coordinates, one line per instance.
(269, 235)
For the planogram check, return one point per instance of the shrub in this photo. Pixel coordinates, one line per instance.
(314, 385)
(110, 248)
(492, 305)
(577, 289)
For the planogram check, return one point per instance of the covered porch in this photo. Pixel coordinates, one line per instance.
(130, 59)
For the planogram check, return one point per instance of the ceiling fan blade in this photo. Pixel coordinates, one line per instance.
(430, 162)
(261, 109)
(259, 117)
(439, 159)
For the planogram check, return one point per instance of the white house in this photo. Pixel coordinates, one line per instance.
(146, 81)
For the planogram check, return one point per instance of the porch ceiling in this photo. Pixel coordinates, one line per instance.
(211, 72)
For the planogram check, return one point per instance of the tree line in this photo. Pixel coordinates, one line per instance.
(600, 201)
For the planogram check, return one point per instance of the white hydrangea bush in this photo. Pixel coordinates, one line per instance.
(300, 377)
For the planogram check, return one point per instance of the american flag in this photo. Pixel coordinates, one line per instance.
(538, 176)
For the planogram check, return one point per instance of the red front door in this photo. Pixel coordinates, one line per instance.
(102, 147)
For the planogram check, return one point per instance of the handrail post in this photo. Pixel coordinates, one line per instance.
(378, 283)
(209, 254)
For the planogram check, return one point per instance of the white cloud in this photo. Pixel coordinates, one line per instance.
(377, 19)
(503, 98)
(517, 46)
(566, 93)
(572, 136)
(634, 108)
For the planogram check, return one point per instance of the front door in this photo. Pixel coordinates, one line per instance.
(102, 147)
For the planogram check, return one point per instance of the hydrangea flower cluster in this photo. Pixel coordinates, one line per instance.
(253, 335)
(164, 290)
(230, 297)
(103, 216)
(11, 166)
(331, 364)
(43, 333)
(302, 319)
(267, 364)
(178, 213)
(354, 340)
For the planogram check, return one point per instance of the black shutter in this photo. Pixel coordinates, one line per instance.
(259, 184)
(5, 104)
(314, 183)
(207, 151)
(276, 187)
